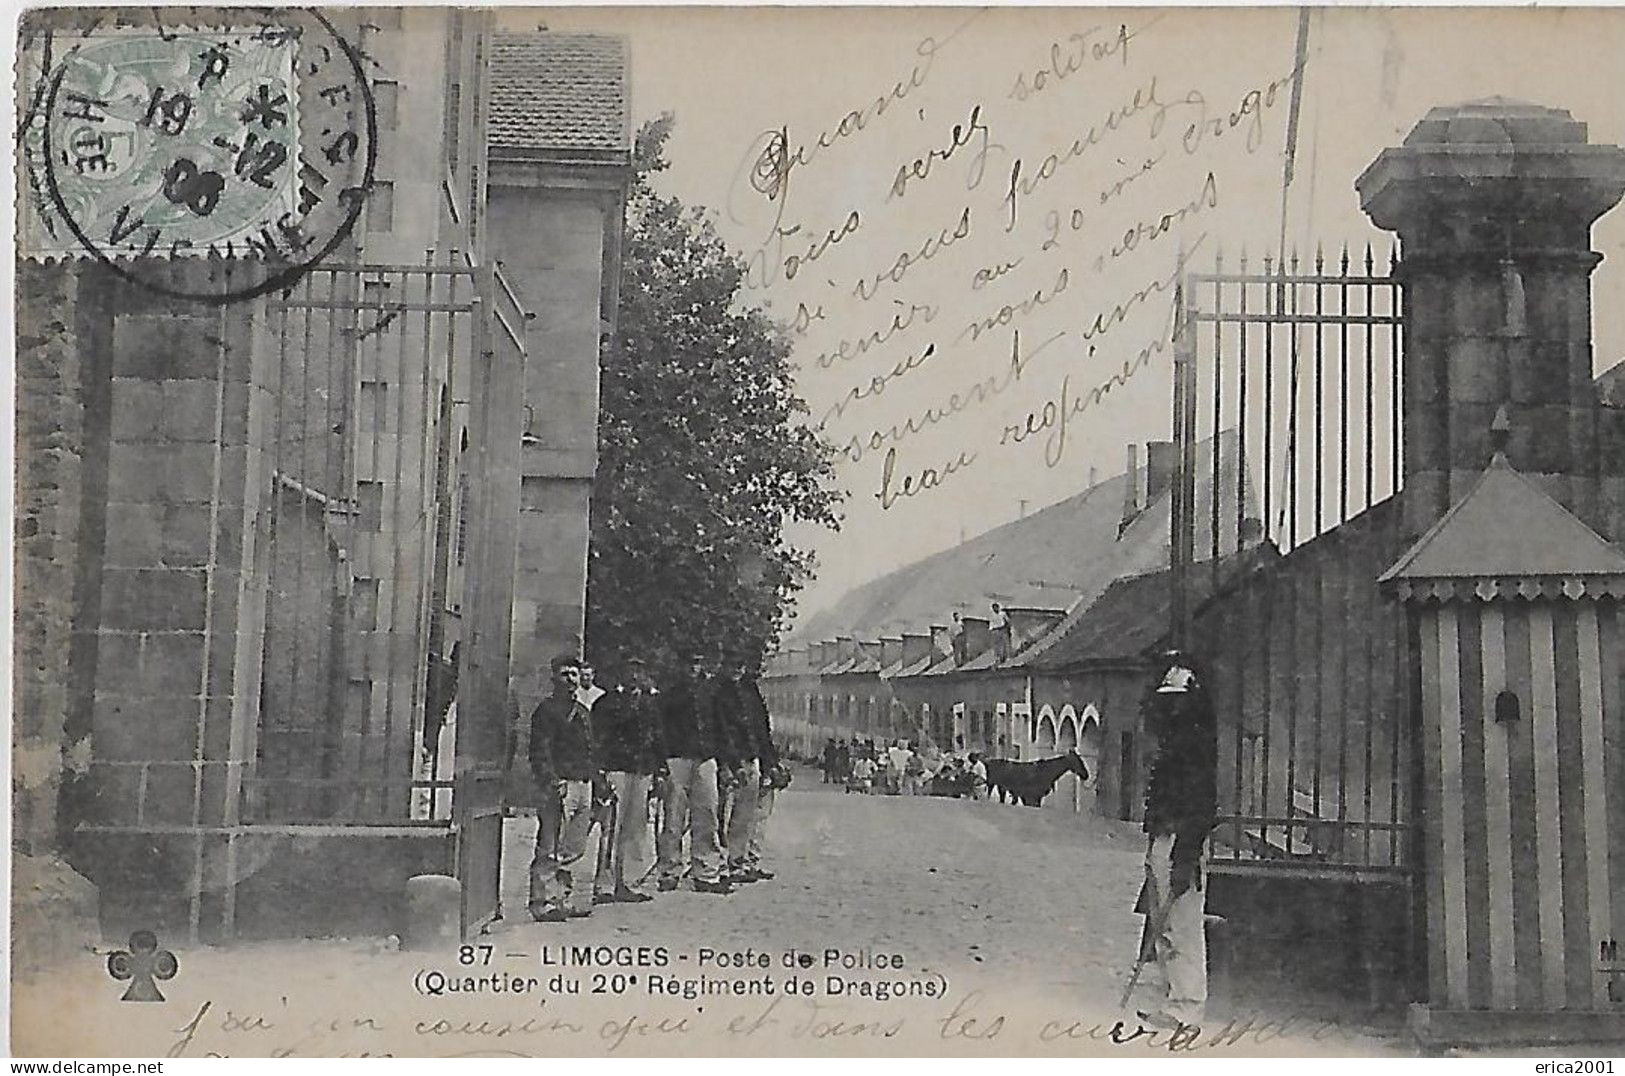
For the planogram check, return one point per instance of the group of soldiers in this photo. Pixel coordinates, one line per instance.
(695, 761)
(692, 760)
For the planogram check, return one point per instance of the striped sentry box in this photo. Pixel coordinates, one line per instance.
(1518, 612)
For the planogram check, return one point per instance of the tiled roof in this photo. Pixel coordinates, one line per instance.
(1133, 616)
(1062, 556)
(556, 91)
(1130, 618)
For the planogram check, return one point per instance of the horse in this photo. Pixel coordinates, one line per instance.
(1030, 782)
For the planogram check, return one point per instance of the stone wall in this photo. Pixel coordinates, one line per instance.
(548, 227)
(50, 451)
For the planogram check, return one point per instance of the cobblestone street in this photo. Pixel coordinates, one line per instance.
(1042, 897)
(1025, 913)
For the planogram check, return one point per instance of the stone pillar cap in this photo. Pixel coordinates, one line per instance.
(1494, 149)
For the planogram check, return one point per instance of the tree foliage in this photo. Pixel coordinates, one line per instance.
(704, 458)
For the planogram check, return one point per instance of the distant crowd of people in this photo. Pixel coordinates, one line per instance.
(869, 766)
(691, 761)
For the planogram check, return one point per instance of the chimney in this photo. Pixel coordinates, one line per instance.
(846, 649)
(978, 637)
(869, 651)
(916, 646)
(891, 650)
(1131, 489)
(1094, 476)
(1159, 470)
(826, 653)
(942, 645)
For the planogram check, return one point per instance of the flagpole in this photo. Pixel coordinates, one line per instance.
(1300, 64)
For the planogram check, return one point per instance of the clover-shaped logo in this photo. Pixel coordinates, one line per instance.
(142, 964)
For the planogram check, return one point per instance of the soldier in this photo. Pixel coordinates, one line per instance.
(626, 723)
(564, 760)
(688, 724)
(1180, 804)
(752, 754)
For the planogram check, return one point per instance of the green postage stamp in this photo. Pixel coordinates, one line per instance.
(159, 142)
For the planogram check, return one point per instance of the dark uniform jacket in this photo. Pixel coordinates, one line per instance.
(758, 723)
(627, 728)
(561, 741)
(1181, 797)
(736, 739)
(688, 719)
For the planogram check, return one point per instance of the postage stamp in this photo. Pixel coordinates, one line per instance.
(146, 142)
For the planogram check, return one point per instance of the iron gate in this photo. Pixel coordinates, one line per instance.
(392, 421)
(1299, 367)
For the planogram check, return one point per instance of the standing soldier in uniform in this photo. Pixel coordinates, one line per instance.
(564, 761)
(1180, 803)
(626, 724)
(688, 724)
(754, 755)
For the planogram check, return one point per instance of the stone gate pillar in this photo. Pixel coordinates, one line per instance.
(169, 618)
(1493, 202)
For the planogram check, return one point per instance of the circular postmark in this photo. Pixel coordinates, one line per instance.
(252, 144)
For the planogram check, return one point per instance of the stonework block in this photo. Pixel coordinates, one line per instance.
(1558, 304)
(172, 662)
(118, 658)
(1543, 379)
(135, 535)
(185, 535)
(558, 626)
(170, 794)
(118, 792)
(160, 347)
(1611, 441)
(1470, 434)
(1540, 440)
(142, 728)
(1583, 440)
(190, 410)
(137, 409)
(166, 473)
(153, 599)
(1477, 370)
(1478, 305)
(1426, 367)
(135, 473)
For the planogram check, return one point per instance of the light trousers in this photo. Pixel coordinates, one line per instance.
(563, 821)
(1180, 948)
(758, 836)
(743, 799)
(625, 841)
(691, 807)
